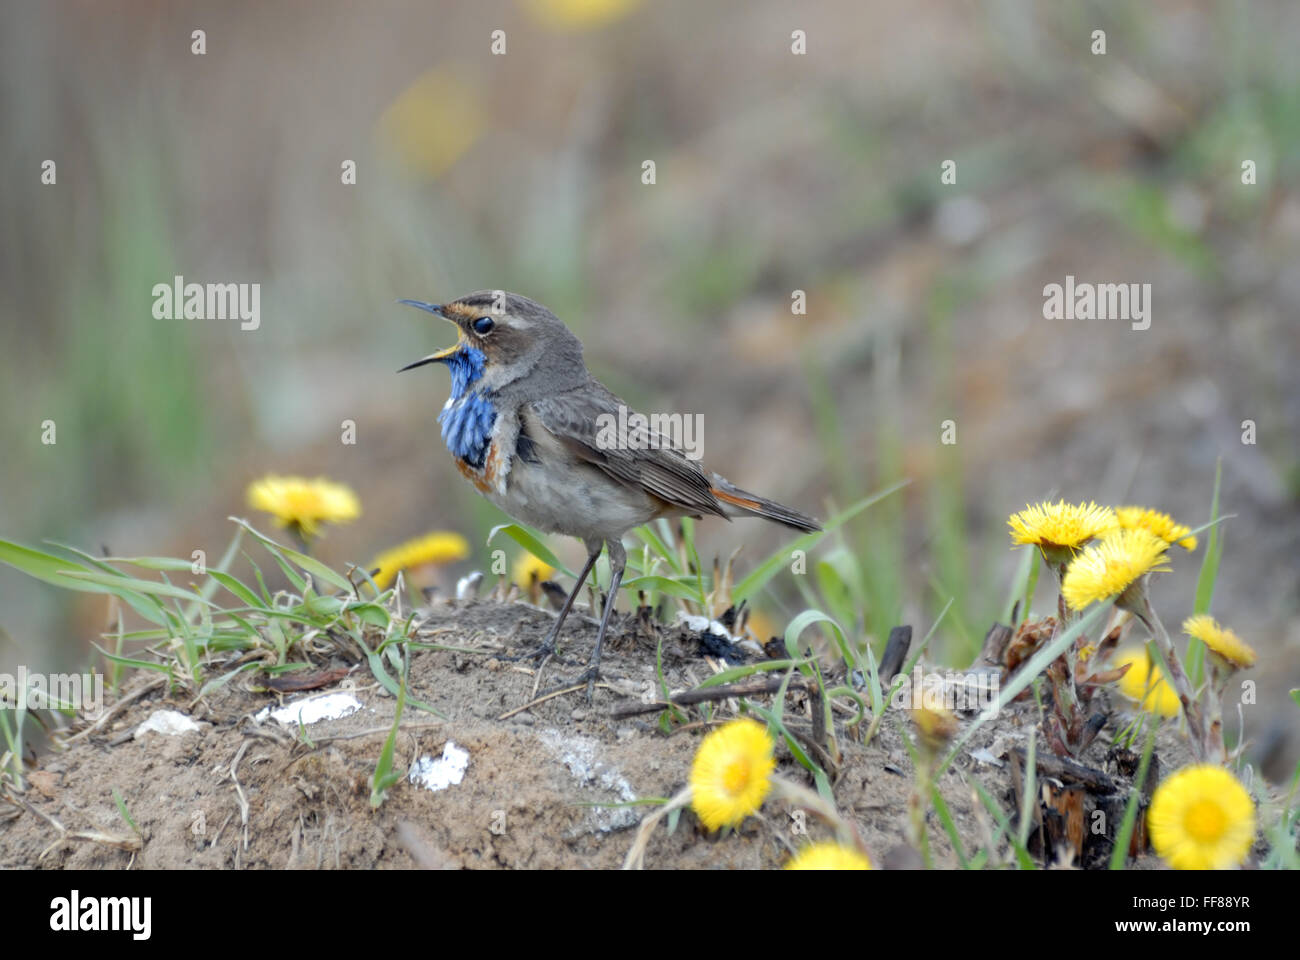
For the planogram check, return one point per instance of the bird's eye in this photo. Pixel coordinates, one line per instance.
(484, 325)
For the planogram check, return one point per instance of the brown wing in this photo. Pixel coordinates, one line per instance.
(587, 422)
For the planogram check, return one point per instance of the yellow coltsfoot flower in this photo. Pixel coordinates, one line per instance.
(432, 549)
(1202, 818)
(1157, 524)
(530, 571)
(1112, 566)
(1235, 652)
(304, 504)
(763, 627)
(1059, 529)
(1145, 683)
(935, 726)
(828, 856)
(732, 773)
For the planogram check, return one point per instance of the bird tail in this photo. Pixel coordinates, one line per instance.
(742, 503)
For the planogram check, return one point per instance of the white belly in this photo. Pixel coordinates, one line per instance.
(575, 499)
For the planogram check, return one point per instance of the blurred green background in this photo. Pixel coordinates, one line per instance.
(775, 172)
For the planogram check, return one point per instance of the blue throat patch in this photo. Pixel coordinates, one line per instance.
(469, 416)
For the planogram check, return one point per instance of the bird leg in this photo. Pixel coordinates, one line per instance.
(547, 649)
(617, 563)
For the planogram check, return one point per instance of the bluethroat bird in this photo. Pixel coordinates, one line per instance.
(532, 430)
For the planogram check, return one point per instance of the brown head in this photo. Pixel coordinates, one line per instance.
(520, 341)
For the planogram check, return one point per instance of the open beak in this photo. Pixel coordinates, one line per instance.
(434, 308)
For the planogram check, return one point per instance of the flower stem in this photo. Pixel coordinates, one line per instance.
(1214, 716)
(1182, 686)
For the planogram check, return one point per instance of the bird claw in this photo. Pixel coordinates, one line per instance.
(539, 656)
(590, 675)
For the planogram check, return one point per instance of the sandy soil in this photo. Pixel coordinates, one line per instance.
(541, 790)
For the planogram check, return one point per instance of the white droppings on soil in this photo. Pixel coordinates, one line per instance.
(331, 706)
(581, 756)
(441, 772)
(169, 723)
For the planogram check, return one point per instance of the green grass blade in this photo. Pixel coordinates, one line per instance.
(670, 585)
(1022, 855)
(647, 534)
(1023, 583)
(319, 571)
(117, 584)
(126, 814)
(47, 566)
(1119, 855)
(758, 578)
(532, 543)
(237, 588)
(154, 563)
(949, 826)
(805, 620)
(748, 670)
(385, 777)
(688, 541)
(1205, 580)
(1029, 796)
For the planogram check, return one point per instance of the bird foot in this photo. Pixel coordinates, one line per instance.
(588, 676)
(539, 656)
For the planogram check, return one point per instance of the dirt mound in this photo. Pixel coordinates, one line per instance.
(552, 785)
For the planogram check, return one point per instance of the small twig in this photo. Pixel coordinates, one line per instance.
(635, 859)
(743, 688)
(537, 674)
(220, 830)
(239, 791)
(130, 844)
(818, 711)
(117, 708)
(1070, 771)
(551, 696)
(27, 805)
(891, 661)
(266, 733)
(413, 725)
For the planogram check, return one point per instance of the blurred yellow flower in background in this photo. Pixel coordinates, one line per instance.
(432, 549)
(578, 14)
(433, 122)
(530, 571)
(1220, 640)
(935, 725)
(1202, 818)
(529, 574)
(1157, 524)
(732, 773)
(1109, 568)
(763, 627)
(1146, 683)
(828, 856)
(304, 504)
